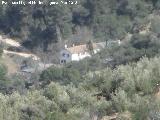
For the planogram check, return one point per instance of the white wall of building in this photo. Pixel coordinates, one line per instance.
(77, 57)
(65, 56)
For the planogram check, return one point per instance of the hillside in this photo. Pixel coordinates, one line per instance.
(12, 67)
(13, 59)
(101, 20)
(119, 80)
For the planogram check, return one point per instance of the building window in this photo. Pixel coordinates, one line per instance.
(63, 61)
(63, 54)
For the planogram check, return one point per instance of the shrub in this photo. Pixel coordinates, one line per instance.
(51, 74)
(139, 107)
(61, 75)
(4, 81)
(120, 101)
(141, 77)
(154, 111)
(1, 51)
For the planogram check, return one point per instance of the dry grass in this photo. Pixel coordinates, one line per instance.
(111, 117)
(12, 67)
(119, 116)
(9, 41)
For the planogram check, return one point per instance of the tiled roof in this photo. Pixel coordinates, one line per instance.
(83, 48)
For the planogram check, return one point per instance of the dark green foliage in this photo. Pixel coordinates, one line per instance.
(132, 50)
(1, 51)
(127, 89)
(4, 80)
(146, 45)
(25, 21)
(140, 108)
(107, 19)
(52, 74)
(3, 72)
(155, 25)
(121, 101)
(86, 65)
(62, 75)
(81, 90)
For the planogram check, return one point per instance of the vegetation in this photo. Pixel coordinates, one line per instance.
(121, 81)
(130, 88)
(42, 25)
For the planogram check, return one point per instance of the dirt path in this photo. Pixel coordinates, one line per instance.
(12, 67)
(9, 41)
(26, 55)
(14, 43)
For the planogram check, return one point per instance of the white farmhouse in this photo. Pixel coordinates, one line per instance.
(79, 52)
(65, 56)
